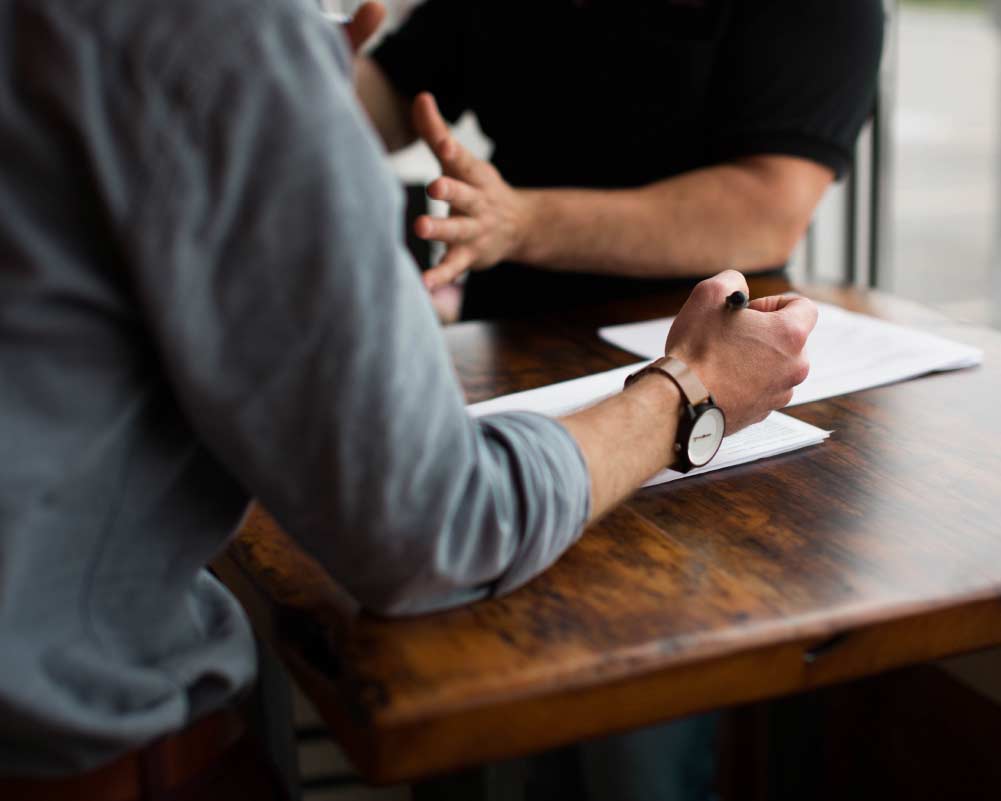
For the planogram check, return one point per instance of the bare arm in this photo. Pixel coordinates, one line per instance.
(748, 214)
(626, 439)
(388, 110)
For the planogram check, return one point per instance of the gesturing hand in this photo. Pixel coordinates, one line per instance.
(487, 215)
(750, 360)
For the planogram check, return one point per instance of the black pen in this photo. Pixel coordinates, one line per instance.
(738, 300)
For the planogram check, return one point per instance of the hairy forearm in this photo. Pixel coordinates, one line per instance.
(626, 439)
(746, 215)
(388, 110)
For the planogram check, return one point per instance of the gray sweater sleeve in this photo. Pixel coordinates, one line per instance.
(265, 247)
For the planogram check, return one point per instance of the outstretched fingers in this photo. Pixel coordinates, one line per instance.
(451, 230)
(455, 159)
(457, 261)
(459, 195)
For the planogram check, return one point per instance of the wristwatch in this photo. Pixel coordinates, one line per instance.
(702, 424)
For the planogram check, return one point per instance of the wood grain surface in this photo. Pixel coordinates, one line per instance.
(877, 549)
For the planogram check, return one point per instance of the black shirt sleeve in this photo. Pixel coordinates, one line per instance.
(796, 77)
(426, 54)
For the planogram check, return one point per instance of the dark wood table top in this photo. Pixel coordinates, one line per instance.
(879, 548)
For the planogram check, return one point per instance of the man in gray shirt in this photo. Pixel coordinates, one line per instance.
(204, 298)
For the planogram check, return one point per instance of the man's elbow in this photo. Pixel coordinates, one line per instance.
(402, 604)
(402, 573)
(406, 599)
(784, 194)
(786, 234)
(770, 245)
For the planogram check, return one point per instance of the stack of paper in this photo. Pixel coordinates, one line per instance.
(848, 352)
(556, 400)
(777, 434)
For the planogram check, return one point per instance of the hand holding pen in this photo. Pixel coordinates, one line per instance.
(750, 361)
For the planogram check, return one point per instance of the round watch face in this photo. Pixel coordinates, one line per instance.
(706, 436)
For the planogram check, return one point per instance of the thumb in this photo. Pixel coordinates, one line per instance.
(713, 291)
(772, 303)
(365, 22)
(798, 311)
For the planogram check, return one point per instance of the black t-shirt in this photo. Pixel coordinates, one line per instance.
(620, 93)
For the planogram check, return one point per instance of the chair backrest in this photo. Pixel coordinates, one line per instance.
(850, 240)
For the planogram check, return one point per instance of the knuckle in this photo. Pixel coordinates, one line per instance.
(708, 288)
(801, 370)
(800, 333)
(717, 287)
(814, 314)
(791, 336)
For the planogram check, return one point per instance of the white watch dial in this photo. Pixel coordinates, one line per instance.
(707, 434)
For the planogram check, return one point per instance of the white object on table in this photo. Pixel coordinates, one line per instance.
(775, 435)
(848, 352)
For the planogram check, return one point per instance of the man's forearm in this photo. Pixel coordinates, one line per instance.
(388, 110)
(626, 439)
(747, 215)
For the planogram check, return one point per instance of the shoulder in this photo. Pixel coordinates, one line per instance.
(860, 17)
(842, 31)
(851, 28)
(164, 38)
(859, 21)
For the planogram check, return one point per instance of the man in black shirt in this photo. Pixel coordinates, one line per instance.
(684, 136)
(636, 141)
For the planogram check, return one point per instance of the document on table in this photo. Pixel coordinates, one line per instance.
(777, 434)
(848, 352)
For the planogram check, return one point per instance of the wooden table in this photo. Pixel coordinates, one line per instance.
(879, 548)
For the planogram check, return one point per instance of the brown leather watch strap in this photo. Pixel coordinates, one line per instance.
(691, 387)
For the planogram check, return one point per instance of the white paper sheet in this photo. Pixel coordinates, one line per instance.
(556, 400)
(848, 352)
(777, 434)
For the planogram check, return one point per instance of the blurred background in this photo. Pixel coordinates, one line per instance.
(944, 176)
